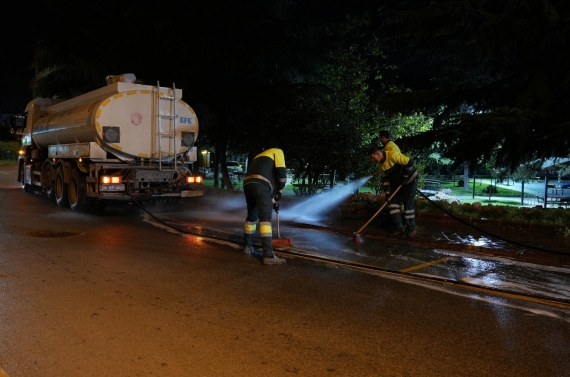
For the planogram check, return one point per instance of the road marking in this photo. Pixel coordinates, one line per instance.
(300, 253)
(420, 266)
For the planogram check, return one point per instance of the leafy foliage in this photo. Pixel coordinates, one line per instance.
(538, 215)
(500, 84)
(490, 189)
(259, 74)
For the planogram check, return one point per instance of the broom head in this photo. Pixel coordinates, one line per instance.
(282, 241)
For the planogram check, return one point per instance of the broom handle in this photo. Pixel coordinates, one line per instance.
(377, 212)
(278, 234)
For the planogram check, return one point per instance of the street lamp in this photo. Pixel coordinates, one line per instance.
(206, 158)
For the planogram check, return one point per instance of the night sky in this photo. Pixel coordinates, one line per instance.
(23, 22)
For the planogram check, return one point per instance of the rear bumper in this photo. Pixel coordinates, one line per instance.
(151, 196)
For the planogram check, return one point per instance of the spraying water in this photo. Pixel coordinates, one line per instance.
(312, 209)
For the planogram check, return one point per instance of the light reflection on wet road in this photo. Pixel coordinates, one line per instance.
(501, 274)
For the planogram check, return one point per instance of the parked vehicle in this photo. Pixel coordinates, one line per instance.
(125, 141)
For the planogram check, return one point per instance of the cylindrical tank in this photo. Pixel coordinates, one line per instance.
(125, 118)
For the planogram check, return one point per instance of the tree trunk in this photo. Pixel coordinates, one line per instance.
(221, 157)
(466, 177)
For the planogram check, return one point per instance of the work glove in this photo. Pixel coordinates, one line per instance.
(276, 206)
(405, 180)
(277, 196)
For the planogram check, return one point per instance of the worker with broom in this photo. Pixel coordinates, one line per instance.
(263, 185)
(397, 170)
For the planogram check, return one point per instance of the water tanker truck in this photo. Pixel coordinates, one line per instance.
(122, 142)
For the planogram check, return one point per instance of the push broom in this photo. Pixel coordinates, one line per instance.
(285, 241)
(357, 237)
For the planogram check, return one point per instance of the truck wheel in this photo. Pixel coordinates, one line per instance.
(76, 191)
(47, 183)
(25, 186)
(61, 195)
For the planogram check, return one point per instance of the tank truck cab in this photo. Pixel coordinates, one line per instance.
(30, 155)
(125, 142)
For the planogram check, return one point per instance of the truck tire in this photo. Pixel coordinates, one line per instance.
(61, 195)
(47, 183)
(76, 191)
(25, 186)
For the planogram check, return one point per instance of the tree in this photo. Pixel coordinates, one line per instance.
(498, 80)
(333, 105)
(257, 72)
(525, 173)
(222, 68)
(435, 156)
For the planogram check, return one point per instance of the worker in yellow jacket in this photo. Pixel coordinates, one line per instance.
(398, 170)
(263, 185)
(389, 144)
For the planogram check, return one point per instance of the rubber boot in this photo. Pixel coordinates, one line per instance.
(268, 257)
(248, 243)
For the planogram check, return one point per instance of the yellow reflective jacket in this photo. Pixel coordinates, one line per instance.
(392, 159)
(268, 167)
(391, 147)
(395, 169)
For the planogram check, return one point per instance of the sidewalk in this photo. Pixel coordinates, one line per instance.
(534, 195)
(535, 188)
(539, 190)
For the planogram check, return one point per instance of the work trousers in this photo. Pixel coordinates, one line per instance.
(258, 197)
(404, 197)
(409, 202)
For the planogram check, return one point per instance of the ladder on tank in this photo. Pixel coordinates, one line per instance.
(165, 132)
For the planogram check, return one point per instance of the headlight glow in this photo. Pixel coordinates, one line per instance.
(191, 179)
(108, 179)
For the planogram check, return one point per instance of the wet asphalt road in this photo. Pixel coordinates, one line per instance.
(320, 238)
(126, 295)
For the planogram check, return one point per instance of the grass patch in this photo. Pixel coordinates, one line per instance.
(495, 202)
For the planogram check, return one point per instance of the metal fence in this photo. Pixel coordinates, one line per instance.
(9, 155)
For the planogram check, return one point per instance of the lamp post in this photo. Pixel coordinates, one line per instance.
(474, 180)
(206, 158)
(545, 188)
